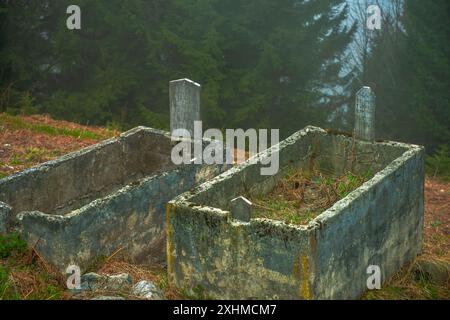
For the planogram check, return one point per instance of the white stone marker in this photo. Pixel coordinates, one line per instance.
(5, 213)
(365, 114)
(241, 209)
(184, 97)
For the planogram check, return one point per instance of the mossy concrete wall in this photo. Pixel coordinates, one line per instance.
(380, 223)
(107, 197)
(5, 212)
(77, 178)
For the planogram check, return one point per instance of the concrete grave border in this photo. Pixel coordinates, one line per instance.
(379, 223)
(126, 183)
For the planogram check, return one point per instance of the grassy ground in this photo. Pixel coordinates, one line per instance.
(24, 275)
(300, 196)
(28, 140)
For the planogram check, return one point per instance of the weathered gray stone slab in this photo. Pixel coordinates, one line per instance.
(147, 290)
(108, 298)
(184, 104)
(132, 218)
(365, 114)
(380, 223)
(4, 215)
(241, 209)
(94, 282)
(106, 197)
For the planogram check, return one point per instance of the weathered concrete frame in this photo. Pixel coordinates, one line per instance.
(103, 198)
(380, 223)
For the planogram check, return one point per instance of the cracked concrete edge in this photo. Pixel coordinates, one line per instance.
(86, 209)
(185, 199)
(187, 196)
(338, 208)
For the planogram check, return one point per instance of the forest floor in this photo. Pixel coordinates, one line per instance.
(29, 140)
(26, 141)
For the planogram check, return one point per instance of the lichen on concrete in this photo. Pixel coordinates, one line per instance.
(107, 197)
(379, 223)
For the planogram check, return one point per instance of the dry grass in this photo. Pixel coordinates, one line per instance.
(26, 141)
(116, 264)
(410, 283)
(437, 219)
(25, 275)
(301, 195)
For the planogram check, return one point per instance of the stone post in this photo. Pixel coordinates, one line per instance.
(365, 115)
(241, 209)
(5, 212)
(184, 97)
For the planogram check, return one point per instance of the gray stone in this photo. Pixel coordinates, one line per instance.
(436, 271)
(241, 209)
(108, 298)
(95, 282)
(4, 214)
(184, 104)
(147, 290)
(365, 114)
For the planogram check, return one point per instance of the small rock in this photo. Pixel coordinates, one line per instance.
(93, 281)
(148, 290)
(108, 298)
(438, 272)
